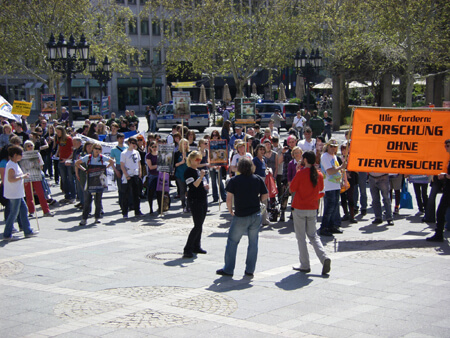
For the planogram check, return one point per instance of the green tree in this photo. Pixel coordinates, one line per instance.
(26, 25)
(415, 33)
(228, 37)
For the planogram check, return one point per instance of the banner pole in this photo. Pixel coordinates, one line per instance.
(219, 176)
(162, 194)
(35, 211)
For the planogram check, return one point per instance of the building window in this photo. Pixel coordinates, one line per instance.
(134, 60)
(156, 27)
(146, 57)
(178, 27)
(156, 56)
(132, 26)
(150, 97)
(120, 1)
(144, 27)
(132, 2)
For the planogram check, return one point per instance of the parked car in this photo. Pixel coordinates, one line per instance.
(199, 117)
(288, 111)
(80, 107)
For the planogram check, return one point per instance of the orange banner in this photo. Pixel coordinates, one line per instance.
(399, 141)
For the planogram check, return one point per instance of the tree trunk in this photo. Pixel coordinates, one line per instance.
(386, 94)
(439, 89)
(337, 96)
(429, 89)
(212, 96)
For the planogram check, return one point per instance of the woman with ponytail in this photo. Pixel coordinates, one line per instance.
(307, 184)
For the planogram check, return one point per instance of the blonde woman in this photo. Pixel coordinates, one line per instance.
(197, 200)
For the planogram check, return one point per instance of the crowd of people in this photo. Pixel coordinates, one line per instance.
(265, 178)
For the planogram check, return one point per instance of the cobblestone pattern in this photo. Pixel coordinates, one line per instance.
(10, 268)
(148, 319)
(76, 308)
(216, 304)
(208, 302)
(164, 256)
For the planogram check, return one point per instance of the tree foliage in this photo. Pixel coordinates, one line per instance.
(26, 25)
(228, 37)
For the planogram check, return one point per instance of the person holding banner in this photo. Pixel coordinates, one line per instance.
(216, 172)
(444, 204)
(96, 181)
(37, 186)
(64, 153)
(14, 191)
(180, 168)
(152, 178)
(197, 201)
(130, 163)
(331, 219)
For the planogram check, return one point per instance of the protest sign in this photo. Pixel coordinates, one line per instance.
(96, 178)
(31, 164)
(399, 141)
(165, 158)
(48, 103)
(22, 108)
(181, 105)
(245, 110)
(218, 152)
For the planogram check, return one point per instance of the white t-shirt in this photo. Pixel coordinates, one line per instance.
(236, 157)
(298, 122)
(331, 182)
(132, 161)
(307, 146)
(13, 190)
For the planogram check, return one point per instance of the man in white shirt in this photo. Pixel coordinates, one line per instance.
(130, 163)
(331, 219)
(308, 144)
(298, 124)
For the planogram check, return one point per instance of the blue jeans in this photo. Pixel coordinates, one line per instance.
(362, 189)
(17, 209)
(67, 179)
(239, 226)
(215, 176)
(331, 217)
(380, 185)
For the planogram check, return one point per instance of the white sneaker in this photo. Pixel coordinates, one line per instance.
(49, 214)
(97, 221)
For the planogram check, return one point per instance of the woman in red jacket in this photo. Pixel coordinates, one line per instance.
(307, 184)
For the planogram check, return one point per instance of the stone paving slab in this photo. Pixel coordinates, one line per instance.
(127, 279)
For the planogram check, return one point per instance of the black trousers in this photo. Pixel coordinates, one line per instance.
(442, 209)
(88, 202)
(131, 187)
(198, 210)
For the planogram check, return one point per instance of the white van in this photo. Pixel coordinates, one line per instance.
(80, 107)
(199, 117)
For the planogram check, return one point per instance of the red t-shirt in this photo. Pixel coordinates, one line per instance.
(306, 196)
(65, 149)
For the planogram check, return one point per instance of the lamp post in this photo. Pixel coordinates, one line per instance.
(307, 66)
(101, 74)
(69, 59)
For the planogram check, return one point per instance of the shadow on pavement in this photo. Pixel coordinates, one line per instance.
(296, 281)
(346, 246)
(226, 284)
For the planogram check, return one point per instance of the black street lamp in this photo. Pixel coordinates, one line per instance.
(307, 66)
(69, 59)
(101, 74)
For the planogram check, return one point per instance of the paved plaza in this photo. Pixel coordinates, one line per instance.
(126, 278)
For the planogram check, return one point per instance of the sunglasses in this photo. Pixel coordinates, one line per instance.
(97, 148)
(154, 147)
(140, 140)
(198, 159)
